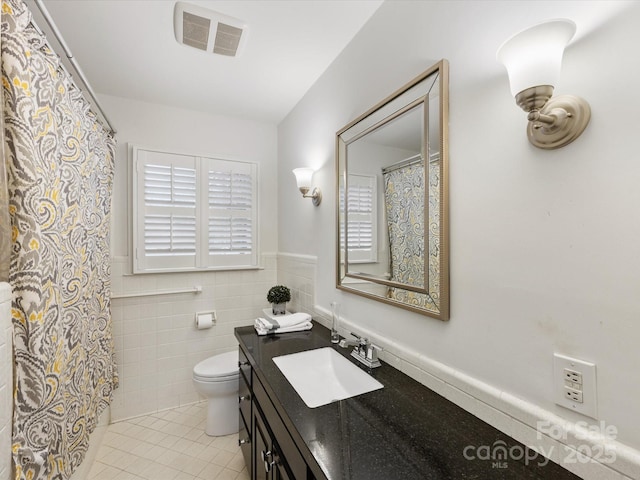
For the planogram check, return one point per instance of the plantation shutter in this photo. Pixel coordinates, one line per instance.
(231, 213)
(193, 213)
(361, 224)
(166, 217)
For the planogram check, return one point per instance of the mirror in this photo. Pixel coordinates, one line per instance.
(392, 186)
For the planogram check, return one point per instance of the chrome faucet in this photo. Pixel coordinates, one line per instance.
(344, 343)
(364, 351)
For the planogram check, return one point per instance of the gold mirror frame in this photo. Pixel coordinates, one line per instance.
(424, 98)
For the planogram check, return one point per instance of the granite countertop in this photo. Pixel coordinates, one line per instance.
(403, 431)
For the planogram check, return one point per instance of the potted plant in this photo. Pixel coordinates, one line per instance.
(278, 296)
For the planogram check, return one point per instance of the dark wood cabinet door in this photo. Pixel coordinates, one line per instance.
(262, 444)
(281, 472)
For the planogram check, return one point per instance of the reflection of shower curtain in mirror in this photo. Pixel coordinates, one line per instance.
(60, 173)
(404, 203)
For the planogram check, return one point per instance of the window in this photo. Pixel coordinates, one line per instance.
(193, 213)
(361, 219)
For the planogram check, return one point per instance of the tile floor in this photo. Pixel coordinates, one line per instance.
(169, 445)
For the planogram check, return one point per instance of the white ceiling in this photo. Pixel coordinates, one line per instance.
(127, 48)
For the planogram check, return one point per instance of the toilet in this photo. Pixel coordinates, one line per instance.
(217, 379)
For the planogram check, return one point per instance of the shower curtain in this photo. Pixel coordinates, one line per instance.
(404, 194)
(60, 173)
(5, 226)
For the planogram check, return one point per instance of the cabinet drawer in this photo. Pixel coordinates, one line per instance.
(244, 366)
(244, 399)
(244, 439)
(285, 443)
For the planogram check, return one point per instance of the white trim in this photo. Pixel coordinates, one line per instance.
(311, 259)
(196, 289)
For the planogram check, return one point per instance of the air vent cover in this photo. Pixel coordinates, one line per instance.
(207, 30)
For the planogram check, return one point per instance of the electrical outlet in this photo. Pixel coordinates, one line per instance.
(575, 385)
(573, 394)
(572, 376)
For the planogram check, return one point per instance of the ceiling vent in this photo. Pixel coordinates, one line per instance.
(207, 30)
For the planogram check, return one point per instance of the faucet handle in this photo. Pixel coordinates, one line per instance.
(344, 343)
(364, 345)
(372, 351)
(361, 346)
(364, 350)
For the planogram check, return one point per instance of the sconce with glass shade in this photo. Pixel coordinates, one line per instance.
(303, 179)
(533, 59)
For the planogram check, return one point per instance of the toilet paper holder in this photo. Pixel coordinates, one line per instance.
(204, 320)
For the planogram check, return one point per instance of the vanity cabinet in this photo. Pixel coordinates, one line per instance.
(402, 431)
(269, 451)
(245, 409)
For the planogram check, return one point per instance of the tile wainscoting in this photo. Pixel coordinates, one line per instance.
(298, 272)
(156, 342)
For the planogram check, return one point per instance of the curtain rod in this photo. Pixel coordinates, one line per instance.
(72, 60)
(417, 158)
(410, 161)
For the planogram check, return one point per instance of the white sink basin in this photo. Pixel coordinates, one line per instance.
(323, 376)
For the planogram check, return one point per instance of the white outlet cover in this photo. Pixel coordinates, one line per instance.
(589, 405)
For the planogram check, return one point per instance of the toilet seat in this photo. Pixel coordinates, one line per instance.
(218, 368)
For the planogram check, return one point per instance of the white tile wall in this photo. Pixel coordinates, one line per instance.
(298, 272)
(6, 380)
(156, 342)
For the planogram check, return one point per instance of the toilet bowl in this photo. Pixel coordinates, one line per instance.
(217, 379)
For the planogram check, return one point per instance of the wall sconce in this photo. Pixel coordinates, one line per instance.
(533, 59)
(303, 179)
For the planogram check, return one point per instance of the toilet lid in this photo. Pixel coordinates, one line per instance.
(223, 365)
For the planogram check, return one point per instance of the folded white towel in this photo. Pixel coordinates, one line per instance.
(285, 321)
(261, 328)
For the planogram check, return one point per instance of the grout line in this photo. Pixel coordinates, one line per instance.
(186, 453)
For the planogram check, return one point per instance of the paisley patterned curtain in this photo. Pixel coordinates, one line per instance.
(5, 228)
(404, 203)
(404, 190)
(60, 173)
(404, 194)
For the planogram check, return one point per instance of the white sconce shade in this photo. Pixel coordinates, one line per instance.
(533, 59)
(534, 56)
(303, 179)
